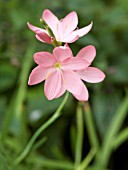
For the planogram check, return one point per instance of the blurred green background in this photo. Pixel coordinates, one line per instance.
(23, 109)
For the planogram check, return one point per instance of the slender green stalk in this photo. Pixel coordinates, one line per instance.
(7, 119)
(87, 160)
(22, 91)
(54, 42)
(15, 107)
(40, 130)
(47, 27)
(79, 137)
(3, 164)
(119, 139)
(47, 163)
(107, 147)
(39, 143)
(90, 126)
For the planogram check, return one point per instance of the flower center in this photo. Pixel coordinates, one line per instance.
(57, 65)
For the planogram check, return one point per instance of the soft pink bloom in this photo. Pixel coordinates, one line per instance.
(64, 30)
(89, 74)
(59, 71)
(64, 72)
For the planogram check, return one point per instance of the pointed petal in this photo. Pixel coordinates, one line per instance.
(51, 20)
(41, 34)
(52, 85)
(83, 31)
(75, 64)
(36, 29)
(43, 37)
(62, 91)
(88, 53)
(72, 37)
(84, 94)
(37, 75)
(38, 38)
(68, 24)
(72, 82)
(91, 75)
(61, 53)
(45, 59)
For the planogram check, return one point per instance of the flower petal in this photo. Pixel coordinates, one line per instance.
(36, 29)
(72, 82)
(45, 59)
(62, 91)
(43, 37)
(61, 53)
(88, 53)
(51, 20)
(68, 24)
(72, 37)
(91, 75)
(84, 31)
(38, 74)
(75, 63)
(52, 85)
(84, 94)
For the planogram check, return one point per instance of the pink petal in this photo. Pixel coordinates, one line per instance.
(66, 45)
(43, 37)
(84, 31)
(62, 91)
(72, 37)
(72, 82)
(84, 94)
(38, 38)
(52, 85)
(45, 59)
(61, 53)
(91, 75)
(51, 20)
(75, 63)
(38, 74)
(68, 24)
(88, 53)
(36, 29)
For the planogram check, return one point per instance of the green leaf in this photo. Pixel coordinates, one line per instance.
(3, 164)
(8, 75)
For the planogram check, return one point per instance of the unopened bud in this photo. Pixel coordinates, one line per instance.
(44, 23)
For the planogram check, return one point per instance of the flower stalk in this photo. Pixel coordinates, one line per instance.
(54, 117)
(53, 39)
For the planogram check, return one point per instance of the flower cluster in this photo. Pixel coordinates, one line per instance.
(61, 70)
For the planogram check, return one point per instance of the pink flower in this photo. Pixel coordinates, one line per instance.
(64, 72)
(64, 30)
(59, 71)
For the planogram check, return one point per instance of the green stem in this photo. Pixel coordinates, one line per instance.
(3, 164)
(15, 107)
(40, 130)
(47, 163)
(87, 160)
(47, 27)
(39, 143)
(107, 147)
(90, 126)
(122, 137)
(54, 42)
(79, 137)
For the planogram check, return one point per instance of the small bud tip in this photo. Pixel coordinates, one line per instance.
(41, 20)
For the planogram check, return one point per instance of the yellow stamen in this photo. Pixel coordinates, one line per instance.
(57, 65)
(48, 75)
